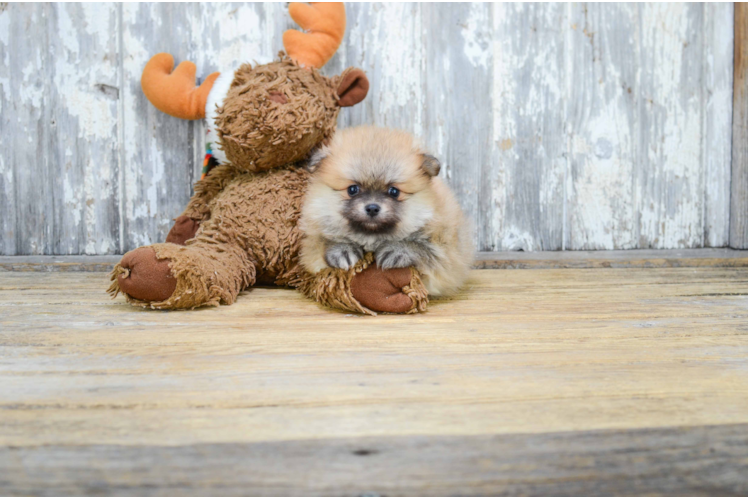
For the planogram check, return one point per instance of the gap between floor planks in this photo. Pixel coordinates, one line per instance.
(698, 257)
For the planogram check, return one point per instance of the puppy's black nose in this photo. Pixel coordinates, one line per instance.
(372, 210)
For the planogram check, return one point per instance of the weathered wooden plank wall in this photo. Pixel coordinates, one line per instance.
(739, 183)
(560, 126)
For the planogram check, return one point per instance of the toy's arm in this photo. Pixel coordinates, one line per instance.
(206, 189)
(198, 209)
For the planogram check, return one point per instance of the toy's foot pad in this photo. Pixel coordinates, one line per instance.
(145, 277)
(383, 291)
(184, 229)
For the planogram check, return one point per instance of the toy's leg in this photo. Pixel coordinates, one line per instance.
(169, 276)
(140, 275)
(366, 288)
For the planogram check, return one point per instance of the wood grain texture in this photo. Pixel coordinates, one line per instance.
(595, 349)
(576, 126)
(529, 113)
(691, 461)
(460, 38)
(739, 187)
(618, 380)
(670, 106)
(717, 87)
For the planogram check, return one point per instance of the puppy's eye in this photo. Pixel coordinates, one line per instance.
(394, 192)
(353, 190)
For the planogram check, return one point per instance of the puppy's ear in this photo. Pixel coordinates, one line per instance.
(431, 165)
(315, 158)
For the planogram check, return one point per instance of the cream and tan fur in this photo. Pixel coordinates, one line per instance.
(422, 226)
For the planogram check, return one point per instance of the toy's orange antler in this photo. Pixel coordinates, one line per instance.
(325, 26)
(175, 93)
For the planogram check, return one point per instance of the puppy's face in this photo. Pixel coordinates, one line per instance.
(371, 182)
(372, 206)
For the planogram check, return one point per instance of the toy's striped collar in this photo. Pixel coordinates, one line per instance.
(210, 162)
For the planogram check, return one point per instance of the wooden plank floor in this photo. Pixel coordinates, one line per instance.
(546, 381)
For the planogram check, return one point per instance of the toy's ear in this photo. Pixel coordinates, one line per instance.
(315, 158)
(352, 88)
(431, 165)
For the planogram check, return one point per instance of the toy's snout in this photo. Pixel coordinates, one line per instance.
(278, 97)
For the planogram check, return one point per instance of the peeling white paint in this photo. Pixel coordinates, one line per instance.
(84, 88)
(528, 130)
(397, 72)
(5, 28)
(233, 35)
(504, 125)
(477, 42)
(5, 52)
(602, 188)
(72, 195)
(516, 239)
(670, 208)
(136, 204)
(31, 90)
(98, 21)
(94, 113)
(77, 83)
(5, 88)
(601, 206)
(69, 29)
(7, 174)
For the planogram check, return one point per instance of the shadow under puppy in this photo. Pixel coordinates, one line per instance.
(375, 190)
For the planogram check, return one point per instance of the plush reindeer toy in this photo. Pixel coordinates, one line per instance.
(241, 225)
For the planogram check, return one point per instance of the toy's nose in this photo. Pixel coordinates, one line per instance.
(278, 97)
(372, 210)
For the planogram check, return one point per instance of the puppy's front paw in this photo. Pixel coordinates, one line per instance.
(343, 255)
(395, 255)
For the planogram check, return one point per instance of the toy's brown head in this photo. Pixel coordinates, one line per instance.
(273, 114)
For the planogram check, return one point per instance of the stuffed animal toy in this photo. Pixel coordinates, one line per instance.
(240, 227)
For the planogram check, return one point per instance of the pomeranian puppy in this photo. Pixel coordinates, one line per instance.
(375, 190)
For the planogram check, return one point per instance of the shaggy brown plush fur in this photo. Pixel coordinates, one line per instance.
(259, 133)
(246, 213)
